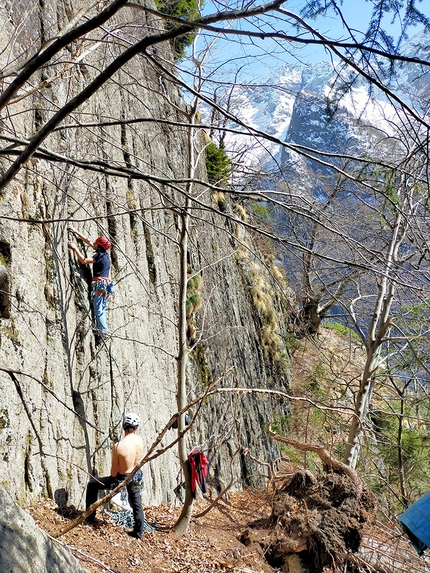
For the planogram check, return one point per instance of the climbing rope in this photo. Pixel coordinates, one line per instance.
(126, 519)
(106, 440)
(79, 281)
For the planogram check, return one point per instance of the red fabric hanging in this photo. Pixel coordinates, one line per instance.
(199, 471)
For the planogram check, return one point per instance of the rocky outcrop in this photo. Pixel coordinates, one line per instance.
(62, 396)
(25, 547)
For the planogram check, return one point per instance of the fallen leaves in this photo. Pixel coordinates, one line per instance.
(209, 546)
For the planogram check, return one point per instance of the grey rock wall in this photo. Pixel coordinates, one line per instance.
(62, 396)
(24, 547)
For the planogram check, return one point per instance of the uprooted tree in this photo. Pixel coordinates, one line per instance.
(316, 520)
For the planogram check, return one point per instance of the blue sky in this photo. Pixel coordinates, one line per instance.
(260, 57)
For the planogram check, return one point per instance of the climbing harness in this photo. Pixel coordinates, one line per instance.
(103, 286)
(99, 287)
(125, 515)
(121, 500)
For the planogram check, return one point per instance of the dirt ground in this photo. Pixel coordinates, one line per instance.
(209, 545)
(268, 523)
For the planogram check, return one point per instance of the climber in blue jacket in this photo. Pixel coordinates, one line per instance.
(100, 281)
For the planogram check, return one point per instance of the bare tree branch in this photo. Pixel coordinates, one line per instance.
(49, 50)
(327, 459)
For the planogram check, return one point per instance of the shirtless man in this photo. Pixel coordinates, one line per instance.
(126, 454)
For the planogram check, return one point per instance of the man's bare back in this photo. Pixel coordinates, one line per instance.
(126, 454)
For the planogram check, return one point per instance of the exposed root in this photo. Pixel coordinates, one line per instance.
(316, 522)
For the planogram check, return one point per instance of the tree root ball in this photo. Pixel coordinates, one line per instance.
(315, 524)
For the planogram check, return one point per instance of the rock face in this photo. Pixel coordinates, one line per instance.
(62, 396)
(25, 547)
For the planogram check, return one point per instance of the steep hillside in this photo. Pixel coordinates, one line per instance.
(62, 395)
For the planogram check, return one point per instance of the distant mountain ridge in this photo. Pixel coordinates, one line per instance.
(296, 105)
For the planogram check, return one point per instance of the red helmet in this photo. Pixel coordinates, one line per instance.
(103, 242)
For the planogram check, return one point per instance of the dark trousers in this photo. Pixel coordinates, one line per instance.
(133, 490)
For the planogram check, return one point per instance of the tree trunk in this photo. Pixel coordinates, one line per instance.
(361, 410)
(377, 331)
(185, 517)
(400, 461)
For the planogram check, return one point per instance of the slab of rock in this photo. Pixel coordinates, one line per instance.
(25, 547)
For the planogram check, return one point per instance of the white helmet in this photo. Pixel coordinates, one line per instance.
(131, 420)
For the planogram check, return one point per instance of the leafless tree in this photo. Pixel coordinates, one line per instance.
(391, 190)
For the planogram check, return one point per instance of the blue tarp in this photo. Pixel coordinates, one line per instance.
(417, 520)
